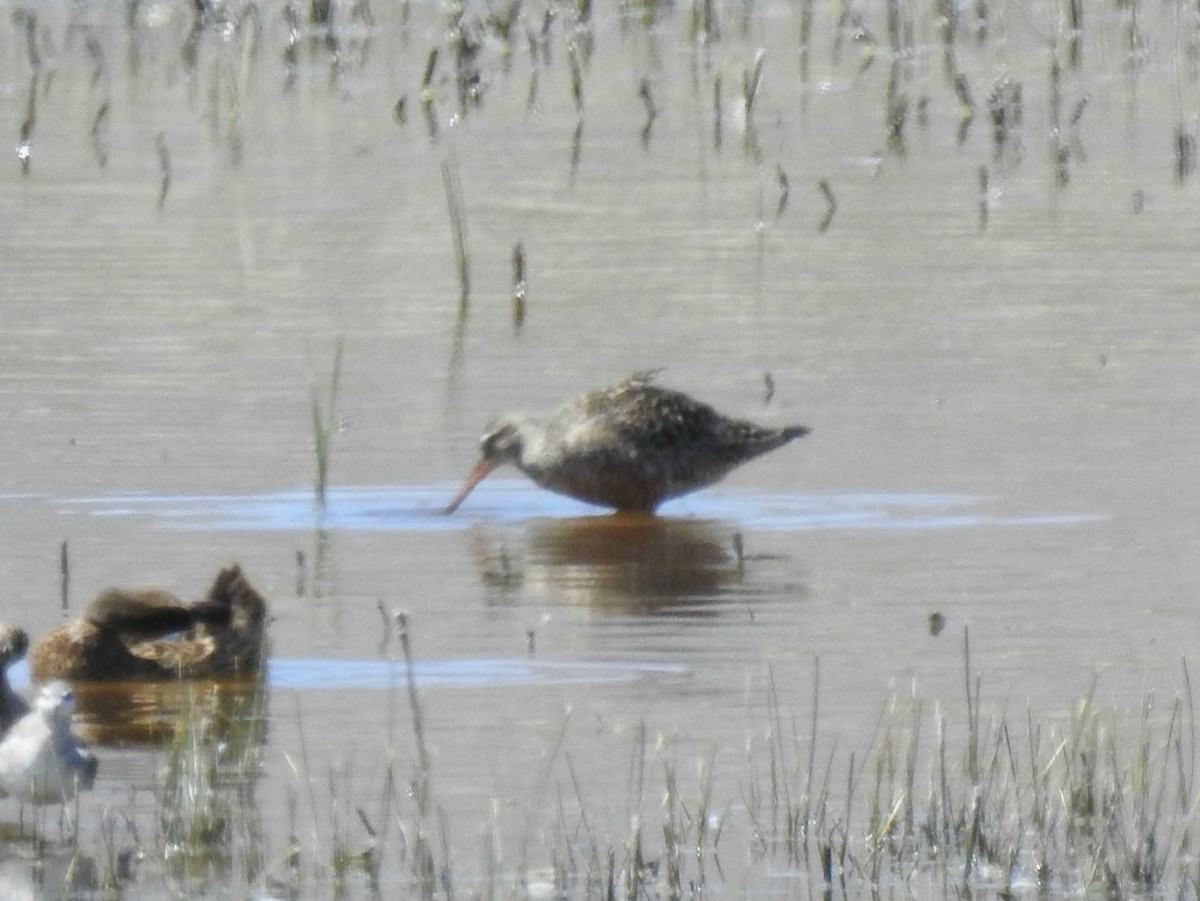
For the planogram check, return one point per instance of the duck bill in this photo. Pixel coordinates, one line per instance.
(477, 475)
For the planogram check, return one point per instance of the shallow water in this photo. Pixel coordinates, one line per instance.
(1003, 417)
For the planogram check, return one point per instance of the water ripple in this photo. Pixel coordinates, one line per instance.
(310, 674)
(408, 508)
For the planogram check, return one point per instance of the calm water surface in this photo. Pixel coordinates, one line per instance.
(1004, 417)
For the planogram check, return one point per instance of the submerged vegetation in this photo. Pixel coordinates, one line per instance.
(1017, 78)
(1104, 802)
(997, 802)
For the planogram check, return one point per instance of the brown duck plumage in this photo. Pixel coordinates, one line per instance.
(122, 636)
(630, 447)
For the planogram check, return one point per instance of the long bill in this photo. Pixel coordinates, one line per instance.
(482, 468)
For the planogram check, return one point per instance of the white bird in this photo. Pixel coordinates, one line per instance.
(41, 761)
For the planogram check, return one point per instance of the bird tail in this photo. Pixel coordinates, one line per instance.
(233, 592)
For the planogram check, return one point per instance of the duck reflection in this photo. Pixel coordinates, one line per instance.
(124, 714)
(625, 563)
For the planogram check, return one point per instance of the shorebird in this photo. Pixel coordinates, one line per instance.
(41, 761)
(146, 634)
(13, 645)
(630, 447)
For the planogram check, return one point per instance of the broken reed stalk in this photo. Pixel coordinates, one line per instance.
(717, 136)
(96, 53)
(324, 420)
(28, 18)
(64, 571)
(752, 81)
(805, 40)
(458, 228)
(99, 123)
(897, 109)
(164, 167)
(532, 94)
(518, 291)
(705, 23)
(966, 103)
(1075, 33)
(983, 198)
(25, 146)
(576, 79)
(427, 94)
(830, 205)
(576, 149)
(1185, 153)
(651, 110)
(1060, 152)
(427, 76)
(647, 99)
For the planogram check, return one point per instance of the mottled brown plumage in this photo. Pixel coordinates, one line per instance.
(146, 613)
(630, 447)
(123, 636)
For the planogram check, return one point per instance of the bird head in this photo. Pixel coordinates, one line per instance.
(501, 443)
(56, 701)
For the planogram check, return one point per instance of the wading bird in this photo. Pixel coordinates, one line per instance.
(629, 447)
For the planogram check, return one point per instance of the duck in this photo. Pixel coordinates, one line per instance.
(131, 635)
(630, 446)
(41, 760)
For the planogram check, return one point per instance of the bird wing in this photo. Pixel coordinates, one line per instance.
(623, 449)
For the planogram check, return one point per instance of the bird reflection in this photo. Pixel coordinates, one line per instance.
(122, 714)
(623, 563)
